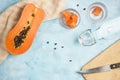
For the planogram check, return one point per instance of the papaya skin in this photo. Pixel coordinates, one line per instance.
(20, 37)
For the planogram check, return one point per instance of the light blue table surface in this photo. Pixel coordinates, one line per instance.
(42, 62)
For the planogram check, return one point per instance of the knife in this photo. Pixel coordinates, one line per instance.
(100, 69)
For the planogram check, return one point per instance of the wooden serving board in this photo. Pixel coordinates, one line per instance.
(110, 56)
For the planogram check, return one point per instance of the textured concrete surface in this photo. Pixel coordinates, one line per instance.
(42, 62)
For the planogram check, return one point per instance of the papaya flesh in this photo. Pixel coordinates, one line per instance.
(70, 19)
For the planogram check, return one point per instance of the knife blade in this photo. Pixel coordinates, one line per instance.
(100, 69)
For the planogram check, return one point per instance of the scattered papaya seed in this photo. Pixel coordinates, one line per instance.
(77, 5)
(84, 8)
(55, 44)
(47, 42)
(70, 60)
(55, 48)
(62, 46)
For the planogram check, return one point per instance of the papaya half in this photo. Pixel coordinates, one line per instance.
(20, 37)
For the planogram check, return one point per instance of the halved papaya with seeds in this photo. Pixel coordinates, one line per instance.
(20, 38)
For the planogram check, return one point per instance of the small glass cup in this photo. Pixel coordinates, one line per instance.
(102, 15)
(62, 19)
(86, 38)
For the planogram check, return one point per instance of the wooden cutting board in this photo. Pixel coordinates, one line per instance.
(109, 56)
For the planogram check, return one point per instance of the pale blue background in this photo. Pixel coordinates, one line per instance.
(42, 62)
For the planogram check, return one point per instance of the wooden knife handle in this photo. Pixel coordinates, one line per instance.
(114, 66)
